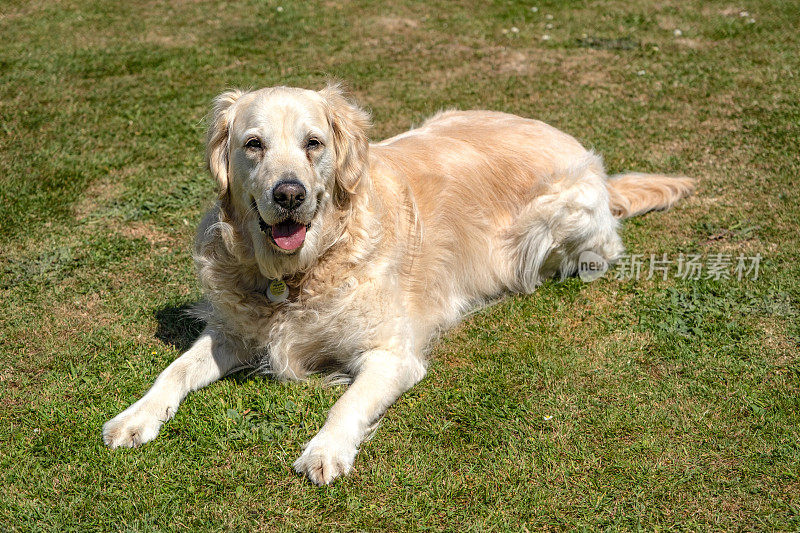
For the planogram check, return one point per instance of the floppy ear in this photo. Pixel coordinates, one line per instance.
(349, 124)
(217, 137)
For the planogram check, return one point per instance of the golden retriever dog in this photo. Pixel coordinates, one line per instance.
(325, 253)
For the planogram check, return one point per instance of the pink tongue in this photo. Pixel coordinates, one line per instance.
(289, 235)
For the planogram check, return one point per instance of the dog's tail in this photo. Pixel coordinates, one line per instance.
(635, 194)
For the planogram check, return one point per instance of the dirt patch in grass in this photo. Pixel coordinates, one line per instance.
(86, 311)
(694, 44)
(395, 35)
(774, 338)
(591, 67)
(21, 10)
(100, 194)
(395, 24)
(516, 61)
(152, 234)
(174, 40)
(586, 67)
(671, 24)
(730, 11)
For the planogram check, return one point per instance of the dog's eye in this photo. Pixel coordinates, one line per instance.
(313, 143)
(253, 144)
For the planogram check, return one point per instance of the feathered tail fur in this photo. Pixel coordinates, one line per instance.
(635, 194)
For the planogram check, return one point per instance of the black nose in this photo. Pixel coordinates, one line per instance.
(289, 194)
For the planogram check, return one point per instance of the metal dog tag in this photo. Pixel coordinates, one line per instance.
(277, 291)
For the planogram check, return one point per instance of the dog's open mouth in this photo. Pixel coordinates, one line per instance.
(287, 235)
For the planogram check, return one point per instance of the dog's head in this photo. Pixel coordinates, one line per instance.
(287, 162)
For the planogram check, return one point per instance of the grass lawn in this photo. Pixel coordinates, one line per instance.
(618, 404)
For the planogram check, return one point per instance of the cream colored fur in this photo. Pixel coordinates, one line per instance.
(404, 237)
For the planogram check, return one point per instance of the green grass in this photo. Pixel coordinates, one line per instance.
(617, 404)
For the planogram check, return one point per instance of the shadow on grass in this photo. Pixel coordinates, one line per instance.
(177, 327)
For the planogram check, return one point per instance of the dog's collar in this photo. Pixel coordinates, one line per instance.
(277, 291)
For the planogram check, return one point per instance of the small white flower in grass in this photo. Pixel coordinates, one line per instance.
(279, 9)
(514, 29)
(547, 418)
(36, 430)
(744, 14)
(677, 32)
(534, 9)
(641, 73)
(549, 16)
(751, 21)
(545, 37)
(548, 26)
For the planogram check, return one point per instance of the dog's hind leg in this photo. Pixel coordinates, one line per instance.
(571, 216)
(210, 358)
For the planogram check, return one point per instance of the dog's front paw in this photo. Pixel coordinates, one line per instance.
(325, 458)
(131, 428)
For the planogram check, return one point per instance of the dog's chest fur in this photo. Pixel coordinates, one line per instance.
(324, 323)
